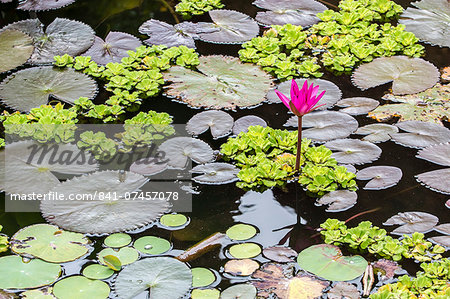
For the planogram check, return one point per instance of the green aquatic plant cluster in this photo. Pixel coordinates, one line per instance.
(431, 283)
(188, 8)
(4, 244)
(135, 78)
(266, 159)
(369, 238)
(359, 32)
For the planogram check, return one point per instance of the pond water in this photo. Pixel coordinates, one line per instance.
(285, 217)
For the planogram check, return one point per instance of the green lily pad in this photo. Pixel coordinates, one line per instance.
(152, 245)
(15, 49)
(430, 23)
(96, 271)
(49, 243)
(38, 294)
(241, 291)
(408, 75)
(241, 232)
(112, 262)
(327, 261)
(166, 278)
(221, 82)
(202, 277)
(173, 220)
(245, 250)
(205, 294)
(126, 255)
(117, 240)
(61, 37)
(76, 287)
(17, 274)
(32, 87)
(431, 105)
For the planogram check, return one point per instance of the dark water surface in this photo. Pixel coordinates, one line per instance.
(217, 207)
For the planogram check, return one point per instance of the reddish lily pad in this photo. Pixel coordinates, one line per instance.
(443, 228)
(344, 290)
(412, 222)
(387, 268)
(38, 5)
(327, 261)
(280, 254)
(353, 151)
(444, 241)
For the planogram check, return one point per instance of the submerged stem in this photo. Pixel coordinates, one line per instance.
(299, 144)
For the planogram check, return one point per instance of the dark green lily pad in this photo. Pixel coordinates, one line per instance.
(61, 37)
(38, 5)
(438, 154)
(245, 250)
(233, 27)
(241, 291)
(357, 105)
(117, 240)
(429, 22)
(412, 222)
(15, 49)
(32, 87)
(49, 243)
(96, 271)
(327, 261)
(113, 48)
(215, 173)
(325, 125)
(76, 287)
(381, 177)
(220, 123)
(431, 105)
(420, 134)
(436, 180)
(301, 13)
(117, 214)
(173, 220)
(152, 245)
(241, 232)
(409, 75)
(202, 277)
(221, 82)
(126, 255)
(166, 278)
(179, 150)
(376, 133)
(17, 274)
(353, 151)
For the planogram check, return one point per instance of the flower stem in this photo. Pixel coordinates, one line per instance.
(299, 144)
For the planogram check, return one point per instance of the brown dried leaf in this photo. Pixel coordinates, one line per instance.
(386, 267)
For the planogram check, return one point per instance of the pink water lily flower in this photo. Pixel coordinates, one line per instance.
(302, 100)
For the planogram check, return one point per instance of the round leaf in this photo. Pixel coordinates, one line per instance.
(377, 132)
(205, 294)
(444, 241)
(148, 166)
(152, 245)
(179, 149)
(408, 75)
(436, 180)
(420, 134)
(443, 228)
(38, 5)
(96, 271)
(381, 177)
(49, 243)
(339, 200)
(243, 267)
(166, 278)
(241, 232)
(126, 255)
(221, 82)
(439, 154)
(31, 88)
(75, 287)
(279, 254)
(173, 220)
(328, 262)
(343, 290)
(15, 49)
(412, 222)
(17, 274)
(220, 123)
(215, 173)
(241, 291)
(117, 240)
(357, 105)
(202, 277)
(245, 250)
(353, 151)
(242, 124)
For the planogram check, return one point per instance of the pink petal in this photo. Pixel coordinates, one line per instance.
(283, 98)
(313, 101)
(295, 92)
(314, 91)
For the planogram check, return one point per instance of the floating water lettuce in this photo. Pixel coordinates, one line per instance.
(15, 49)
(431, 105)
(249, 83)
(300, 13)
(220, 123)
(429, 21)
(187, 8)
(274, 279)
(164, 277)
(15, 273)
(113, 48)
(49, 243)
(327, 261)
(61, 37)
(408, 75)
